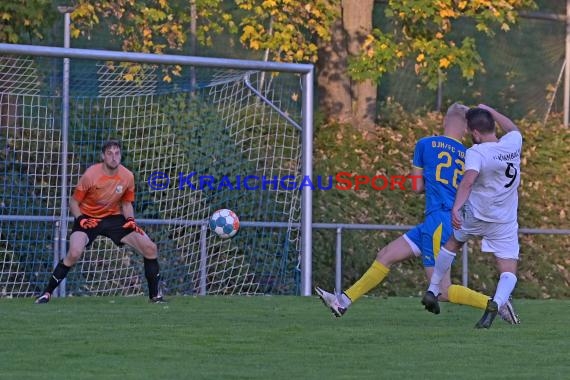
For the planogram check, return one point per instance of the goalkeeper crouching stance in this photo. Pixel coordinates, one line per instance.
(102, 204)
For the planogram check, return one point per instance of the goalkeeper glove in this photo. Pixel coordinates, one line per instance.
(132, 225)
(86, 222)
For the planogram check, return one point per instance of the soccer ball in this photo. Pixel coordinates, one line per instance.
(224, 223)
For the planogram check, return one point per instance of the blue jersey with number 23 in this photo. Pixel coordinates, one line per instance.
(442, 160)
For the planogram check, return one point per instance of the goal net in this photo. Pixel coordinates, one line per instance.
(205, 140)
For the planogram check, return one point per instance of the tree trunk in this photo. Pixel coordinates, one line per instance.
(357, 21)
(341, 99)
(334, 95)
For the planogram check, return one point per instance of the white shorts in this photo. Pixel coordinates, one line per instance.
(499, 238)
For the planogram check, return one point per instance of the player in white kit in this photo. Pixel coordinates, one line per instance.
(486, 206)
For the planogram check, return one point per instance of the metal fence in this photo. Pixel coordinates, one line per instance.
(341, 228)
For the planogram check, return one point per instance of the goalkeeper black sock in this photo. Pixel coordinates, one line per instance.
(151, 272)
(57, 276)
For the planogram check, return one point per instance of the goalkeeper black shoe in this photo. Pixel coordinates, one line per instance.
(429, 300)
(488, 316)
(159, 296)
(331, 301)
(157, 299)
(44, 298)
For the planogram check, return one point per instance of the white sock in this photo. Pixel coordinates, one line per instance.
(343, 300)
(442, 264)
(505, 287)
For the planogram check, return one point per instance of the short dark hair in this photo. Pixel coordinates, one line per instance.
(480, 120)
(109, 144)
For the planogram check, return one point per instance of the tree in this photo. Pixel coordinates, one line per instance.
(286, 30)
(341, 98)
(154, 26)
(23, 21)
(338, 35)
(417, 29)
(282, 29)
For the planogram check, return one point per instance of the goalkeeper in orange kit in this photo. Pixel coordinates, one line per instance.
(102, 204)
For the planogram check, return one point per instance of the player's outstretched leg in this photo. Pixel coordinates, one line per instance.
(488, 316)
(429, 300)
(331, 301)
(508, 314)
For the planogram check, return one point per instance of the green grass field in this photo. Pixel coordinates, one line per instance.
(276, 337)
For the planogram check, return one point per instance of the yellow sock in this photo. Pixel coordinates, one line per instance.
(372, 277)
(465, 296)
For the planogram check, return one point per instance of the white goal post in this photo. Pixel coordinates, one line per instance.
(226, 133)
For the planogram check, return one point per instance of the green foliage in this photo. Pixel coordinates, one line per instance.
(152, 26)
(212, 20)
(146, 26)
(286, 27)
(422, 30)
(25, 21)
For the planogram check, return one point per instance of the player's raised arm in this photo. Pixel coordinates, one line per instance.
(504, 122)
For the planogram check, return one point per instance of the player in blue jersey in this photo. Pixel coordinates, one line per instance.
(438, 162)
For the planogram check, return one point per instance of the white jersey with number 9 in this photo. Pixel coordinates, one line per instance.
(494, 197)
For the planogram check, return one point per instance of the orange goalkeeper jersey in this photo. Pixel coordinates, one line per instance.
(100, 195)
